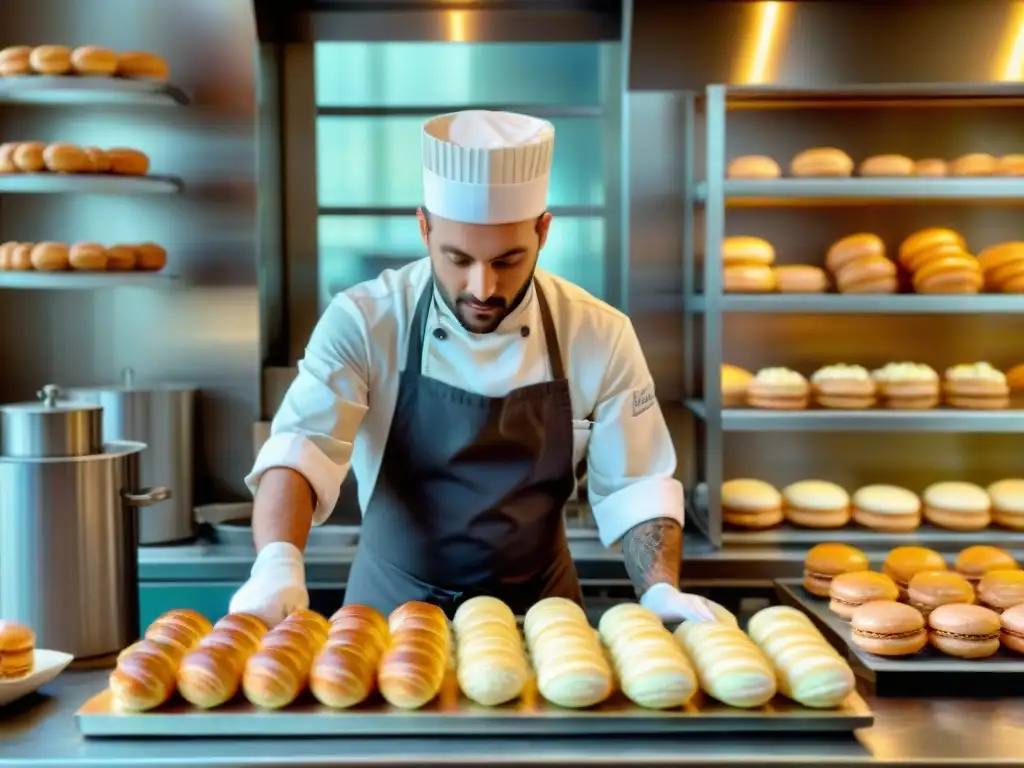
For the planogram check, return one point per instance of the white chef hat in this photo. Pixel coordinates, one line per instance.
(483, 167)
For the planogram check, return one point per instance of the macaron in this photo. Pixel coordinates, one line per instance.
(957, 506)
(1007, 497)
(964, 631)
(1012, 621)
(930, 589)
(887, 508)
(849, 591)
(17, 650)
(826, 561)
(1000, 590)
(751, 504)
(974, 562)
(816, 504)
(903, 563)
(888, 628)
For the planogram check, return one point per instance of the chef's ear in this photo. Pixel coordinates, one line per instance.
(424, 221)
(543, 224)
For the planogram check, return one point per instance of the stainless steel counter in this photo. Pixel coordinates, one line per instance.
(207, 561)
(40, 731)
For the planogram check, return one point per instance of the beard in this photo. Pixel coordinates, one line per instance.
(482, 322)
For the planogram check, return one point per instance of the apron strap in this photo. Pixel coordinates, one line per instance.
(414, 354)
(550, 337)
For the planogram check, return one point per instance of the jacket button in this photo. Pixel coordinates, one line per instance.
(524, 331)
(440, 334)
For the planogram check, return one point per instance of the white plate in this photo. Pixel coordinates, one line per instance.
(48, 664)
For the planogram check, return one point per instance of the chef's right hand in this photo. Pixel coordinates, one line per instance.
(276, 585)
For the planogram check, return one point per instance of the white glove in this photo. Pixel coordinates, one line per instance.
(671, 605)
(276, 585)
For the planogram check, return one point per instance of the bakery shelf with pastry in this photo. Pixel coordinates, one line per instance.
(50, 259)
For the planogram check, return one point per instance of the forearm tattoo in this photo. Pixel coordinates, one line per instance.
(653, 553)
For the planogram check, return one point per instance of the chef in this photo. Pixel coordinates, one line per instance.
(464, 390)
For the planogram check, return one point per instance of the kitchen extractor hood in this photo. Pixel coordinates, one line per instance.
(285, 21)
(822, 44)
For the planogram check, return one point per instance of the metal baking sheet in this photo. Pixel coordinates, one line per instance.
(452, 715)
(913, 675)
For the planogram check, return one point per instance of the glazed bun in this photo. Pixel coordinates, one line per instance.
(50, 59)
(572, 668)
(492, 666)
(650, 665)
(413, 668)
(88, 257)
(729, 666)
(887, 165)
(144, 677)
(93, 60)
(278, 672)
(753, 167)
(822, 162)
(49, 257)
(344, 673)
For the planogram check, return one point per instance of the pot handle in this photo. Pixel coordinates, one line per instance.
(147, 497)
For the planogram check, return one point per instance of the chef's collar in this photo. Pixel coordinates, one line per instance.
(513, 322)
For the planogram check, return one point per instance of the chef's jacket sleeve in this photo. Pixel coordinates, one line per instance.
(631, 461)
(316, 425)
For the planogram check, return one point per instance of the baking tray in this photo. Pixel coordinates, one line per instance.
(451, 715)
(927, 673)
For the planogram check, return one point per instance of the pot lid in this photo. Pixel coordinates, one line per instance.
(50, 401)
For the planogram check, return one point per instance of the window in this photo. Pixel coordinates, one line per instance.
(372, 98)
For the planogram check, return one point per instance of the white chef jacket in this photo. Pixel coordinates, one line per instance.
(337, 413)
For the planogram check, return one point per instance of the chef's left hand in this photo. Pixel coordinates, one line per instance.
(671, 605)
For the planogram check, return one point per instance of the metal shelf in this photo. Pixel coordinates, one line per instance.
(84, 281)
(899, 96)
(926, 535)
(43, 89)
(87, 184)
(832, 303)
(862, 191)
(945, 420)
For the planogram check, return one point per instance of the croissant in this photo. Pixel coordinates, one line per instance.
(144, 676)
(730, 667)
(652, 669)
(492, 668)
(572, 668)
(809, 670)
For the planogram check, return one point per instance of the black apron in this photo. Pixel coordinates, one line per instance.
(470, 492)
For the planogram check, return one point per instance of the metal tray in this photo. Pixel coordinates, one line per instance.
(452, 715)
(927, 673)
(927, 535)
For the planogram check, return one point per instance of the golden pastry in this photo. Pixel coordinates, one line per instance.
(150, 257)
(99, 161)
(94, 60)
(927, 244)
(745, 251)
(1011, 165)
(65, 158)
(20, 257)
(976, 386)
(51, 59)
(28, 156)
(887, 165)
(975, 164)
(801, 278)
(128, 162)
(848, 387)
(50, 257)
(907, 386)
(5, 255)
(931, 167)
(142, 65)
(120, 258)
(778, 389)
(7, 164)
(753, 167)
(1002, 263)
(88, 257)
(748, 279)
(822, 162)
(14, 60)
(954, 274)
